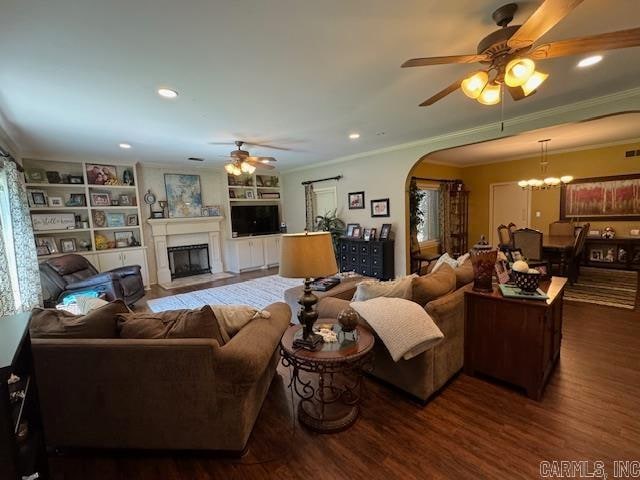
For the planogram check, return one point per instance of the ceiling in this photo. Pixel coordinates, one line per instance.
(571, 136)
(77, 77)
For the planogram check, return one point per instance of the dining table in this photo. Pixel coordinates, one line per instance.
(561, 245)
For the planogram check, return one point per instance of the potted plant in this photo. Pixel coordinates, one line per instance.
(329, 222)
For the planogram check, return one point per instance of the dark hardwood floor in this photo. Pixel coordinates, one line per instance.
(472, 429)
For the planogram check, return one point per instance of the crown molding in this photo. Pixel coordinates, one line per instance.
(491, 127)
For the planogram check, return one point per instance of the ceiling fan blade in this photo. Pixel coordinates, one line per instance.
(263, 145)
(423, 62)
(221, 143)
(547, 16)
(261, 159)
(442, 93)
(592, 43)
(266, 166)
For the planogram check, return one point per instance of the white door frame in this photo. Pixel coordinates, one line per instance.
(491, 188)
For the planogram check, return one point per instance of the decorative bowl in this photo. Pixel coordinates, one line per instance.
(348, 319)
(526, 281)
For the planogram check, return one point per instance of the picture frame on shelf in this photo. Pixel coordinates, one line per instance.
(53, 177)
(514, 255)
(76, 200)
(132, 220)
(350, 227)
(232, 193)
(205, 212)
(76, 180)
(249, 194)
(68, 245)
(42, 250)
(214, 210)
(356, 232)
(99, 219)
(380, 208)
(35, 175)
(101, 174)
(115, 219)
(124, 200)
(356, 200)
(634, 232)
(594, 233)
(127, 177)
(123, 236)
(56, 202)
(179, 188)
(503, 271)
(372, 237)
(367, 234)
(100, 199)
(43, 222)
(385, 231)
(157, 214)
(596, 255)
(115, 203)
(37, 198)
(49, 243)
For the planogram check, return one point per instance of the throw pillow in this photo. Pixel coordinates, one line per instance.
(231, 318)
(98, 323)
(398, 288)
(171, 324)
(464, 274)
(462, 259)
(434, 285)
(86, 304)
(444, 259)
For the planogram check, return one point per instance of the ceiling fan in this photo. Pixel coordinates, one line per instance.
(240, 161)
(508, 54)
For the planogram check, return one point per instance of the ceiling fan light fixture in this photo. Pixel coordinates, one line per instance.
(472, 86)
(236, 171)
(245, 167)
(518, 71)
(534, 82)
(490, 94)
(230, 167)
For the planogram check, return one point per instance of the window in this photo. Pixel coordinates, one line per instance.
(429, 230)
(7, 237)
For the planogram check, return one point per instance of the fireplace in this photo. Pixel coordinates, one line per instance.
(188, 260)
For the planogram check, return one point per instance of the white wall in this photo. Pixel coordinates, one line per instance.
(383, 173)
(151, 177)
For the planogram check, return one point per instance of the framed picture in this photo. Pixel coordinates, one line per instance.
(356, 200)
(37, 198)
(502, 271)
(634, 232)
(184, 196)
(76, 200)
(35, 175)
(373, 234)
(514, 255)
(214, 210)
(48, 242)
(124, 200)
(601, 198)
(367, 234)
(205, 212)
(115, 203)
(76, 179)
(385, 231)
(157, 214)
(132, 220)
(123, 237)
(68, 245)
(115, 219)
(350, 227)
(101, 199)
(232, 193)
(99, 219)
(53, 221)
(594, 233)
(101, 174)
(55, 202)
(42, 250)
(54, 177)
(356, 232)
(595, 255)
(248, 194)
(380, 208)
(127, 177)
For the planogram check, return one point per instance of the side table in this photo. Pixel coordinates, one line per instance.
(329, 402)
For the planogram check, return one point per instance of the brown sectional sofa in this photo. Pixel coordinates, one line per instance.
(180, 393)
(425, 374)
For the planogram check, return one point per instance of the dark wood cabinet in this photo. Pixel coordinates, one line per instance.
(516, 341)
(622, 253)
(459, 221)
(372, 258)
(22, 448)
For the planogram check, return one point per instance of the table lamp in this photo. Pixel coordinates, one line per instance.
(307, 255)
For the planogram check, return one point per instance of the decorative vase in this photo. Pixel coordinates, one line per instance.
(348, 319)
(483, 259)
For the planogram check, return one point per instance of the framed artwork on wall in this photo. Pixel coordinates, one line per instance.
(380, 208)
(601, 198)
(184, 196)
(356, 200)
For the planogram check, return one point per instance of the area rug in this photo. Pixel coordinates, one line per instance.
(195, 280)
(259, 293)
(603, 286)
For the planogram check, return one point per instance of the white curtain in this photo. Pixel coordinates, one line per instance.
(19, 276)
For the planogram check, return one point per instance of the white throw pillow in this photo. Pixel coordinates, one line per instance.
(86, 304)
(398, 288)
(445, 258)
(231, 318)
(463, 258)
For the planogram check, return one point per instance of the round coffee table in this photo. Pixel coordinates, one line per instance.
(328, 380)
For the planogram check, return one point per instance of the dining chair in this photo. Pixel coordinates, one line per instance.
(529, 241)
(504, 237)
(578, 250)
(561, 228)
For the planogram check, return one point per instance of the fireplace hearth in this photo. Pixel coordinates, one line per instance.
(188, 260)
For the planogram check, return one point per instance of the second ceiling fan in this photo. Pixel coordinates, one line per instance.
(508, 54)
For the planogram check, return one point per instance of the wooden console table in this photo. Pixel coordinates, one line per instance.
(513, 340)
(625, 250)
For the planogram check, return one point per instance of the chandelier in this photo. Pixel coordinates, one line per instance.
(520, 77)
(238, 167)
(547, 181)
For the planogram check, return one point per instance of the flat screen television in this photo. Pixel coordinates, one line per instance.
(255, 219)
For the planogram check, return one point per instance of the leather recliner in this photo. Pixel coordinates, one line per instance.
(68, 274)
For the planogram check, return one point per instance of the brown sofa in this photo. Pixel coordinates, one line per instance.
(180, 393)
(426, 373)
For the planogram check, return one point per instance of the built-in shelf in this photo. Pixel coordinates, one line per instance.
(241, 186)
(56, 185)
(233, 200)
(113, 187)
(115, 207)
(126, 227)
(268, 188)
(68, 230)
(45, 209)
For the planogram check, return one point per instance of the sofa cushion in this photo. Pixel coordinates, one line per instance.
(434, 285)
(231, 318)
(445, 259)
(199, 323)
(398, 288)
(97, 323)
(464, 274)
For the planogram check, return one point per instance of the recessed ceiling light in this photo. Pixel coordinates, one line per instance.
(587, 62)
(126, 146)
(354, 136)
(167, 93)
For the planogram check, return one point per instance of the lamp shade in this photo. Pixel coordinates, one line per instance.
(518, 71)
(307, 255)
(473, 85)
